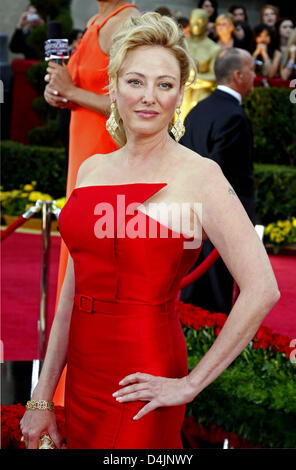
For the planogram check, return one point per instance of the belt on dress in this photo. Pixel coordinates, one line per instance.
(89, 304)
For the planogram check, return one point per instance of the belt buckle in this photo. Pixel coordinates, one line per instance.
(86, 303)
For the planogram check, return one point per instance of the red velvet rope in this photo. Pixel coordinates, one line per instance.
(201, 269)
(12, 227)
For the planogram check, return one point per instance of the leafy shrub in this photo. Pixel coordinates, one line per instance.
(43, 109)
(273, 118)
(50, 8)
(255, 397)
(47, 166)
(275, 192)
(36, 74)
(47, 135)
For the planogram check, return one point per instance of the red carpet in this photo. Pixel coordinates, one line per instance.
(282, 317)
(20, 297)
(20, 285)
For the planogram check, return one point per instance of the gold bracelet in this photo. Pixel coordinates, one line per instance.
(40, 405)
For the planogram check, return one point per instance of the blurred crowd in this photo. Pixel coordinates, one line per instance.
(272, 42)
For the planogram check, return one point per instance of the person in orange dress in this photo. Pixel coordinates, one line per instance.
(81, 86)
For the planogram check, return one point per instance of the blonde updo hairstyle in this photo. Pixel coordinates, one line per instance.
(149, 29)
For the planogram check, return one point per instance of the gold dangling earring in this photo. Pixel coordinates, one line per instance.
(178, 129)
(111, 123)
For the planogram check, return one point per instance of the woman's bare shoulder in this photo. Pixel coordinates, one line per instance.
(96, 163)
(198, 168)
(206, 182)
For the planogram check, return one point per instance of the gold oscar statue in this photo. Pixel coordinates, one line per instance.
(204, 52)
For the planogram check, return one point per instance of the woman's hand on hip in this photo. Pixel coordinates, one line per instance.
(158, 391)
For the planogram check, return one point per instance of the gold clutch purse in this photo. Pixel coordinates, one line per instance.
(46, 442)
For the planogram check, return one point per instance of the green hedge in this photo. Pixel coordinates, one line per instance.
(21, 164)
(275, 192)
(36, 74)
(255, 397)
(49, 134)
(273, 118)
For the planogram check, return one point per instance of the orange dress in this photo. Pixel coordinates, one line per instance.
(88, 134)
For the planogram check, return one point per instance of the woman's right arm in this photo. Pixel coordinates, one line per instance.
(36, 422)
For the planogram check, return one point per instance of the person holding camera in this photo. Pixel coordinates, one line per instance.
(29, 20)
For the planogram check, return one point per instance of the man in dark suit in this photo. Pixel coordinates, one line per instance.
(218, 128)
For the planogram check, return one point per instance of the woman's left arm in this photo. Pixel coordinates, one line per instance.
(61, 85)
(232, 233)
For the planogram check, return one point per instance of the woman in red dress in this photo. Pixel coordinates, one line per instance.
(116, 324)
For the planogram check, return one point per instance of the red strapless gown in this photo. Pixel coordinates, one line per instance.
(123, 321)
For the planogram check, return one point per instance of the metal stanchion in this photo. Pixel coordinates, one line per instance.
(48, 207)
(46, 225)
